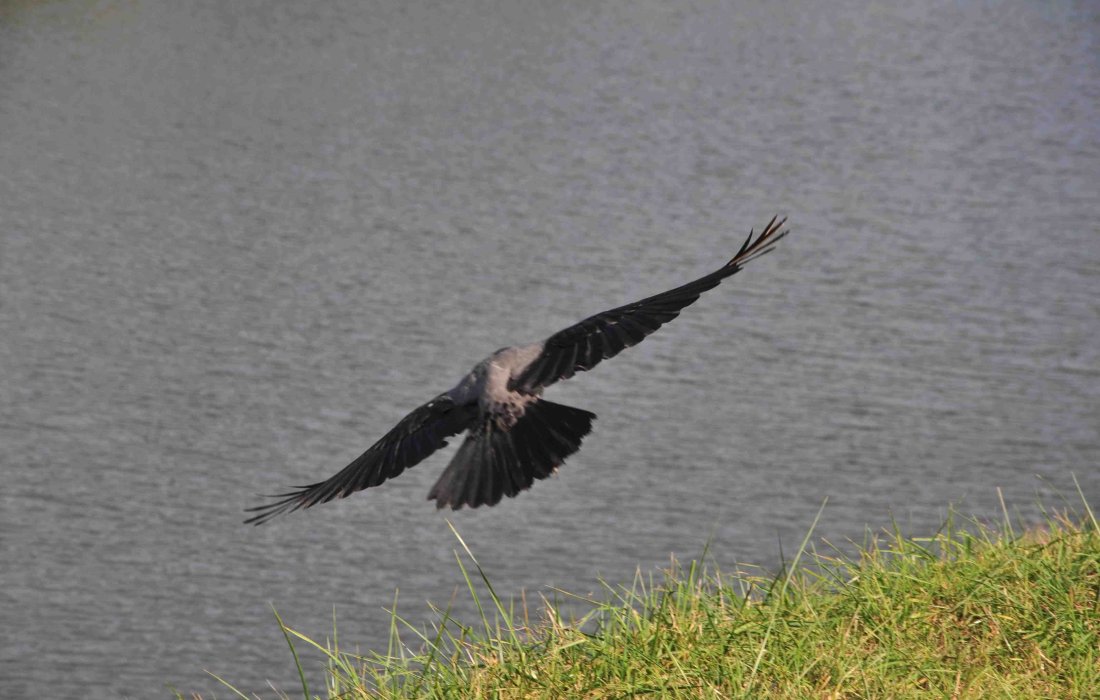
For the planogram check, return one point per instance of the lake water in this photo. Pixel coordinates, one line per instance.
(239, 241)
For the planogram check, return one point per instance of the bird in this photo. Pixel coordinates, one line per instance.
(514, 435)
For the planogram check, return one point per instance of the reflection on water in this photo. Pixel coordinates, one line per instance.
(238, 242)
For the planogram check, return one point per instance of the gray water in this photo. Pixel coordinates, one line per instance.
(239, 240)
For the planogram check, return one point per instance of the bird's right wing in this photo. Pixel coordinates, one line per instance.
(584, 345)
(418, 435)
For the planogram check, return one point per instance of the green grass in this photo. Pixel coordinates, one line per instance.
(973, 611)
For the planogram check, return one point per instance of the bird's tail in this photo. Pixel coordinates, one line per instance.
(494, 462)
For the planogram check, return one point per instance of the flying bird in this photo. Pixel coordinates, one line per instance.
(515, 435)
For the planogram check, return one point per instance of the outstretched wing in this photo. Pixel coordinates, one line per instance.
(418, 435)
(597, 338)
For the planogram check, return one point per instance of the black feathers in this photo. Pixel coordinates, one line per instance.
(495, 462)
(418, 435)
(584, 345)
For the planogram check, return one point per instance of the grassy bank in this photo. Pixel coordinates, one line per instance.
(973, 611)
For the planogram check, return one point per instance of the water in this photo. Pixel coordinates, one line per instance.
(238, 242)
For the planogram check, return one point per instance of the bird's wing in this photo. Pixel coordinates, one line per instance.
(584, 345)
(418, 435)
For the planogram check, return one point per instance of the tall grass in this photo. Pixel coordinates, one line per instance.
(972, 611)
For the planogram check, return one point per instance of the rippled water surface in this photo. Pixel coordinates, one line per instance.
(238, 241)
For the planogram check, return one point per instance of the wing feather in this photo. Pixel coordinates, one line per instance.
(584, 345)
(418, 435)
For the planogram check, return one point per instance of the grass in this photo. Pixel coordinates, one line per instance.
(973, 611)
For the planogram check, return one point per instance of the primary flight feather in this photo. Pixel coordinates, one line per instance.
(515, 436)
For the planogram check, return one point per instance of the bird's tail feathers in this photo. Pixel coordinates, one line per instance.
(494, 462)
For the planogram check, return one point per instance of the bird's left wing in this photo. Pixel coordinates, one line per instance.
(418, 435)
(584, 345)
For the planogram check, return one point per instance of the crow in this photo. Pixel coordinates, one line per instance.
(514, 435)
